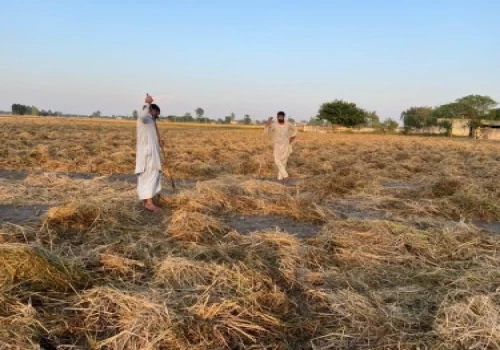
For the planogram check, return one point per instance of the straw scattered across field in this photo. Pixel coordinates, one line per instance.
(396, 261)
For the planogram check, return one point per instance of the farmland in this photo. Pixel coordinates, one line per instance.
(379, 242)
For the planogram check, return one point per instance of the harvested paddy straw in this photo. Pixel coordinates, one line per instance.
(23, 264)
(195, 227)
(17, 324)
(236, 195)
(470, 321)
(408, 271)
(84, 217)
(112, 319)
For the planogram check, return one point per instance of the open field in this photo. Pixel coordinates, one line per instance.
(380, 242)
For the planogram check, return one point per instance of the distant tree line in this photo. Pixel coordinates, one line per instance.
(200, 118)
(472, 107)
(348, 114)
(19, 109)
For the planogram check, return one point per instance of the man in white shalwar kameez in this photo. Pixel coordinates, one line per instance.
(284, 134)
(148, 161)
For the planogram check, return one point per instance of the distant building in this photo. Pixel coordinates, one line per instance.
(489, 129)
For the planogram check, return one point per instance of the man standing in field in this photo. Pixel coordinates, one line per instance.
(284, 134)
(148, 161)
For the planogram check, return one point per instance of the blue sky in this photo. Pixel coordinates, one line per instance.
(254, 57)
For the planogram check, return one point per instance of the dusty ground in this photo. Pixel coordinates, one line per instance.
(379, 242)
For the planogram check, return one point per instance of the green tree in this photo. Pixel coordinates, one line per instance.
(34, 111)
(199, 113)
(418, 117)
(96, 114)
(291, 120)
(247, 120)
(372, 120)
(494, 114)
(455, 110)
(233, 117)
(135, 114)
(390, 124)
(19, 109)
(460, 110)
(344, 113)
(481, 104)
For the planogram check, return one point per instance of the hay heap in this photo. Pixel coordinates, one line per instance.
(236, 195)
(75, 216)
(113, 319)
(85, 217)
(36, 268)
(195, 227)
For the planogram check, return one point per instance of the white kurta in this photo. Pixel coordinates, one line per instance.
(282, 146)
(148, 160)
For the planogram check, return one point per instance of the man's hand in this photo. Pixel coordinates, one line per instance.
(292, 139)
(148, 99)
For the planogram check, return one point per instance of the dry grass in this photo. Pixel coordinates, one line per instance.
(97, 272)
(25, 265)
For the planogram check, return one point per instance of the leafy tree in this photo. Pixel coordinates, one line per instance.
(187, 117)
(135, 114)
(199, 113)
(291, 120)
(390, 124)
(227, 120)
(247, 120)
(19, 109)
(418, 117)
(455, 110)
(343, 113)
(372, 120)
(96, 114)
(481, 104)
(494, 114)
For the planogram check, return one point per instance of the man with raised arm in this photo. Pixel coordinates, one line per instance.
(284, 135)
(148, 161)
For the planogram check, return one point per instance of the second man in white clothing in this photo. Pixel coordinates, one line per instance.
(284, 135)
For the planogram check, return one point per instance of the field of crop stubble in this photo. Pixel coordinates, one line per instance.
(380, 242)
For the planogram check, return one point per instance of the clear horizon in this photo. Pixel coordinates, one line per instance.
(250, 57)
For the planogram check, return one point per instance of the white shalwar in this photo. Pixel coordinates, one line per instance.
(282, 146)
(147, 161)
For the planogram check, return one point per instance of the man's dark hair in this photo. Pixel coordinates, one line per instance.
(154, 107)
(281, 114)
